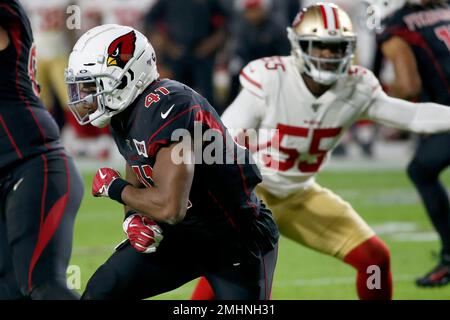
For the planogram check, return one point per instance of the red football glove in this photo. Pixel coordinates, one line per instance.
(102, 181)
(144, 234)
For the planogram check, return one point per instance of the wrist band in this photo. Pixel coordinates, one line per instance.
(116, 188)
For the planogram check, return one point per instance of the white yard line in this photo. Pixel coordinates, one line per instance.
(404, 232)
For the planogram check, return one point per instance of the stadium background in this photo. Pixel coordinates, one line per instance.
(368, 169)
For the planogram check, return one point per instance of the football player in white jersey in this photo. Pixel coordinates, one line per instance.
(54, 40)
(48, 20)
(312, 97)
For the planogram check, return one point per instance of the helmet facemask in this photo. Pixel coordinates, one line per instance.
(323, 42)
(327, 70)
(87, 96)
(324, 60)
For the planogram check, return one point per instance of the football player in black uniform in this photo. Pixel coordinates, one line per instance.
(40, 188)
(416, 39)
(187, 214)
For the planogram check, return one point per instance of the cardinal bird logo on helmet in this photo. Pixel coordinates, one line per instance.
(121, 50)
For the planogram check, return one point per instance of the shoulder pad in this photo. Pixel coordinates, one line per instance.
(251, 77)
(258, 74)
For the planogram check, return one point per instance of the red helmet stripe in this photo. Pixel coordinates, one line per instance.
(324, 16)
(336, 18)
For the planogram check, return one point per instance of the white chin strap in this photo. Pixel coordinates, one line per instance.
(104, 119)
(320, 76)
(323, 77)
(100, 121)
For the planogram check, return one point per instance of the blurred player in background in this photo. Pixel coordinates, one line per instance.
(91, 15)
(187, 35)
(416, 40)
(257, 35)
(312, 97)
(127, 12)
(40, 188)
(211, 220)
(53, 41)
(363, 133)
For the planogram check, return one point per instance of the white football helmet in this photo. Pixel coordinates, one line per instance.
(323, 25)
(110, 65)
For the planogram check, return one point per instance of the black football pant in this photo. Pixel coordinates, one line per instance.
(430, 159)
(39, 199)
(236, 274)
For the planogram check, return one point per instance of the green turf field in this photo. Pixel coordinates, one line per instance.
(386, 200)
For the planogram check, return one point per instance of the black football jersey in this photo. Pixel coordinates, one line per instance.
(26, 127)
(221, 197)
(427, 30)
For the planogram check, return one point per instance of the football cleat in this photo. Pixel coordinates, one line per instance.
(439, 276)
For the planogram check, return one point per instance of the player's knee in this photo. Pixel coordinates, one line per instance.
(372, 252)
(415, 171)
(421, 171)
(102, 284)
(378, 252)
(53, 290)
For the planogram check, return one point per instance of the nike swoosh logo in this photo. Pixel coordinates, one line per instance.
(102, 175)
(165, 114)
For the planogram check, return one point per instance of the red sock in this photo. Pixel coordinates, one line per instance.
(372, 252)
(203, 291)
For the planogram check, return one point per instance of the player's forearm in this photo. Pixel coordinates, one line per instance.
(167, 200)
(408, 83)
(424, 118)
(157, 205)
(245, 111)
(402, 91)
(131, 177)
(431, 118)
